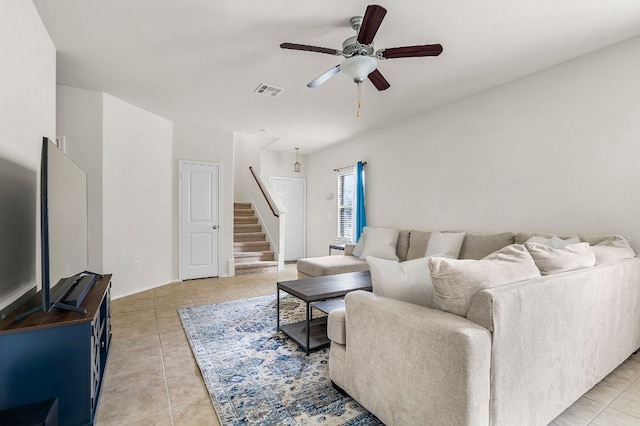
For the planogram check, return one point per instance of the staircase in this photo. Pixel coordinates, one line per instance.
(251, 251)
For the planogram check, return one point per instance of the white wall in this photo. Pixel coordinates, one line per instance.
(199, 143)
(79, 120)
(556, 151)
(246, 152)
(27, 113)
(137, 197)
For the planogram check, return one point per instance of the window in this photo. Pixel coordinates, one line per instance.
(346, 199)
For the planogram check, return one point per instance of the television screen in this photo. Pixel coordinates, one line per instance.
(17, 234)
(67, 216)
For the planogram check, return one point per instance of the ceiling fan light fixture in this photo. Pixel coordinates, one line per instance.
(358, 67)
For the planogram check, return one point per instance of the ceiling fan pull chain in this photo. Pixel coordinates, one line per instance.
(359, 103)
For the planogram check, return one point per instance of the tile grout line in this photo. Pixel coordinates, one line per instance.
(164, 369)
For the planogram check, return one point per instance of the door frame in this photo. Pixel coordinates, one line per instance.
(304, 210)
(181, 164)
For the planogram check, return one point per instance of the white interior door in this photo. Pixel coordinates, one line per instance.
(292, 192)
(199, 238)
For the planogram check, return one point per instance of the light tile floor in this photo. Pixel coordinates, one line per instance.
(152, 378)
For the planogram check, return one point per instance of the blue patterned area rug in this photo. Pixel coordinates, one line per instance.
(256, 375)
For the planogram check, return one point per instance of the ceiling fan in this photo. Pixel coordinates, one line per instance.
(362, 59)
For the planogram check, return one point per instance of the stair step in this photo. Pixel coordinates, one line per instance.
(253, 256)
(246, 228)
(240, 205)
(243, 212)
(249, 237)
(250, 246)
(256, 267)
(245, 220)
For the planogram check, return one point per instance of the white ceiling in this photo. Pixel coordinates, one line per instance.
(199, 61)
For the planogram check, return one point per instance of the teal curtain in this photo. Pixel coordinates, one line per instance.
(361, 215)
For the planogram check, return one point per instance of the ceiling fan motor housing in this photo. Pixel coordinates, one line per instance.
(351, 47)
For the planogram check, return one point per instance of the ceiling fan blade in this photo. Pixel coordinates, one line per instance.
(324, 77)
(370, 23)
(411, 51)
(378, 80)
(308, 48)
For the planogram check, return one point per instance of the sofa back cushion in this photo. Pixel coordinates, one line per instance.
(477, 246)
(613, 248)
(456, 281)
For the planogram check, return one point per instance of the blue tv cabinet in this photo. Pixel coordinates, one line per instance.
(58, 354)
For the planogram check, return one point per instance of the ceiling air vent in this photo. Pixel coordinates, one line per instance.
(269, 91)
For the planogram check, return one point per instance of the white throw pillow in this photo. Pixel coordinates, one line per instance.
(551, 260)
(613, 248)
(444, 244)
(456, 281)
(380, 242)
(407, 281)
(540, 240)
(357, 250)
(557, 242)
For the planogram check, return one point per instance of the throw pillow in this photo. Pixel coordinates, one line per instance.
(456, 281)
(551, 260)
(417, 244)
(613, 248)
(444, 244)
(407, 281)
(380, 242)
(357, 250)
(539, 239)
(557, 242)
(553, 241)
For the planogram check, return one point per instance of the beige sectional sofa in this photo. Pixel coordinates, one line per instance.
(518, 354)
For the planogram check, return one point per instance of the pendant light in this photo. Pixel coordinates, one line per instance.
(296, 165)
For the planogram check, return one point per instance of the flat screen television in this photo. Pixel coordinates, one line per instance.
(63, 232)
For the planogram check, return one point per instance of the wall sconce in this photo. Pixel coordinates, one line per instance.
(296, 165)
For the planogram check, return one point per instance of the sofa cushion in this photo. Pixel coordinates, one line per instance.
(331, 265)
(550, 260)
(444, 244)
(380, 242)
(455, 281)
(614, 248)
(477, 246)
(418, 241)
(408, 281)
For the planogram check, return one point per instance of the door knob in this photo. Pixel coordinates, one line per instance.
(215, 226)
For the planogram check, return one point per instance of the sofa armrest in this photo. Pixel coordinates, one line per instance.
(348, 249)
(408, 362)
(336, 331)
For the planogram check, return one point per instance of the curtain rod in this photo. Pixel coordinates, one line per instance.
(364, 163)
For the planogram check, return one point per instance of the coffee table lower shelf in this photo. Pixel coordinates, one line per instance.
(317, 333)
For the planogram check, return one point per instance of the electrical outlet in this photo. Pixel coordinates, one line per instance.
(136, 264)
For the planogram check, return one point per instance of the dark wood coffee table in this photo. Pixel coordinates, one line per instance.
(312, 332)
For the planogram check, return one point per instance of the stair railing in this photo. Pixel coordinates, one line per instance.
(263, 193)
(274, 223)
